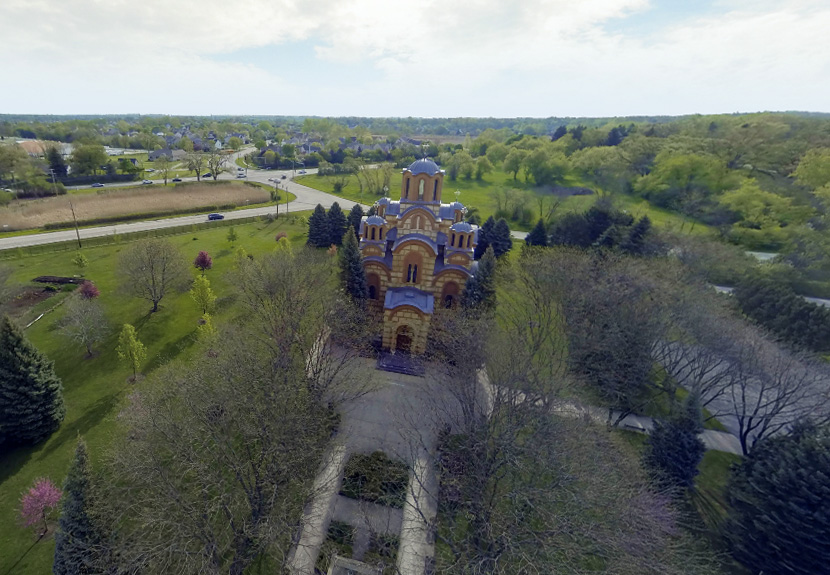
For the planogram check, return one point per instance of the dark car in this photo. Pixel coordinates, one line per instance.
(97, 185)
(283, 177)
(216, 217)
(208, 175)
(177, 180)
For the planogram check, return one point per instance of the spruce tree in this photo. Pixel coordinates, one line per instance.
(674, 449)
(352, 273)
(779, 504)
(485, 236)
(500, 239)
(318, 228)
(480, 290)
(538, 236)
(31, 395)
(355, 215)
(372, 211)
(636, 241)
(337, 224)
(76, 539)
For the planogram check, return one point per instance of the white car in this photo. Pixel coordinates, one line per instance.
(147, 182)
(241, 176)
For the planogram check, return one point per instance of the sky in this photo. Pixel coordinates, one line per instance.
(479, 58)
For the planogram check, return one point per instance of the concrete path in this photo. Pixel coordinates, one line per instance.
(716, 440)
(416, 553)
(318, 513)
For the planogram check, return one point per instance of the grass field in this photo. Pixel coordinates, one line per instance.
(114, 202)
(95, 388)
(483, 196)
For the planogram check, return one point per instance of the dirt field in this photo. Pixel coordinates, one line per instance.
(31, 214)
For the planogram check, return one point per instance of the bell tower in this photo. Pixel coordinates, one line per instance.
(423, 182)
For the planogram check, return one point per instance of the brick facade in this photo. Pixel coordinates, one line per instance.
(418, 253)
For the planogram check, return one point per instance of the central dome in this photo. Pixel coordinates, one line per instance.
(425, 166)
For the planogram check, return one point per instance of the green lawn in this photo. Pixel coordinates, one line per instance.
(94, 389)
(483, 196)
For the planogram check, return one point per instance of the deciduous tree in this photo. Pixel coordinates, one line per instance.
(85, 321)
(38, 503)
(203, 261)
(202, 294)
(150, 268)
(130, 349)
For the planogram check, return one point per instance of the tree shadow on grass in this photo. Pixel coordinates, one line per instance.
(170, 351)
(91, 417)
(13, 458)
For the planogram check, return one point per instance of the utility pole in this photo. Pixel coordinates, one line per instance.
(71, 207)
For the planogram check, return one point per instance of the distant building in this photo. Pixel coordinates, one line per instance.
(171, 154)
(416, 251)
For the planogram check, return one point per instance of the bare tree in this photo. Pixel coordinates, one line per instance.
(215, 465)
(771, 388)
(150, 268)
(195, 161)
(84, 321)
(163, 165)
(216, 163)
(374, 178)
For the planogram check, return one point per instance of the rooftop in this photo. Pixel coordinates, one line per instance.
(397, 297)
(424, 166)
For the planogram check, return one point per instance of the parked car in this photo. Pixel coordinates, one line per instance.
(283, 177)
(240, 169)
(208, 175)
(241, 176)
(302, 171)
(97, 185)
(147, 181)
(216, 217)
(176, 180)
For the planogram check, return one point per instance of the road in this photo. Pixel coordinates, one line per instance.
(307, 199)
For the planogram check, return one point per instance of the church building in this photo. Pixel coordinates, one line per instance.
(418, 254)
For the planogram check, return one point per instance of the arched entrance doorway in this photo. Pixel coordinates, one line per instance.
(403, 339)
(449, 295)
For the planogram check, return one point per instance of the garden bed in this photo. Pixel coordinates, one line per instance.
(377, 479)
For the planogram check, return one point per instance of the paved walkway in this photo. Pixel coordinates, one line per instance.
(716, 440)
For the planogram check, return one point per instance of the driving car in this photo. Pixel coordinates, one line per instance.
(283, 177)
(147, 181)
(208, 175)
(97, 185)
(302, 171)
(216, 217)
(176, 180)
(241, 176)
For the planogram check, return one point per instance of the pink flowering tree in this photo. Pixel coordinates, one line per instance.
(38, 503)
(203, 262)
(88, 290)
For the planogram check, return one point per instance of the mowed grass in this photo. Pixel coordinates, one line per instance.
(483, 195)
(123, 201)
(95, 389)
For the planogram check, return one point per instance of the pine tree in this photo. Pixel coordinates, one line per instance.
(674, 449)
(31, 394)
(480, 290)
(635, 243)
(76, 539)
(337, 224)
(372, 211)
(500, 239)
(352, 273)
(538, 236)
(779, 504)
(355, 216)
(560, 131)
(485, 236)
(318, 228)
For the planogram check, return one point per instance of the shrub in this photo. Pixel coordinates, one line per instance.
(376, 478)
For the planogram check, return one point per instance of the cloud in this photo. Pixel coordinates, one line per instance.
(468, 57)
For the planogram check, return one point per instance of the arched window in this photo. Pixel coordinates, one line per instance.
(452, 241)
(380, 233)
(469, 238)
(412, 273)
(435, 191)
(373, 292)
(421, 190)
(373, 233)
(407, 188)
(415, 274)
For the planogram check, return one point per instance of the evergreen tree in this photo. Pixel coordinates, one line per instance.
(674, 449)
(31, 395)
(352, 273)
(485, 236)
(636, 241)
(76, 539)
(500, 239)
(538, 236)
(337, 224)
(779, 504)
(560, 131)
(318, 228)
(355, 215)
(480, 290)
(56, 162)
(372, 211)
